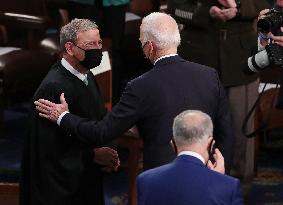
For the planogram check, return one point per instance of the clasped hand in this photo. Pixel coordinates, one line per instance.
(108, 158)
(228, 11)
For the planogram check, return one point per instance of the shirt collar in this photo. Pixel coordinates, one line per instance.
(165, 56)
(70, 68)
(194, 154)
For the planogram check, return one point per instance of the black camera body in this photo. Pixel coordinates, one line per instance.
(275, 54)
(271, 22)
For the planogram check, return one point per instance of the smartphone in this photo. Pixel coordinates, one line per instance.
(211, 151)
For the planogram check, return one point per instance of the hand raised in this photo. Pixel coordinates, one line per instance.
(218, 165)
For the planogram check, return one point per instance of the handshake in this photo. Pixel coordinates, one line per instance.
(228, 10)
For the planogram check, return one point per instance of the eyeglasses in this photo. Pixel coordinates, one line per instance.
(144, 44)
(92, 44)
(174, 146)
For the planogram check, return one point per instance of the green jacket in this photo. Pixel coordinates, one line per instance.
(105, 2)
(224, 46)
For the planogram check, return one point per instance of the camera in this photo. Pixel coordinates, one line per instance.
(272, 21)
(272, 55)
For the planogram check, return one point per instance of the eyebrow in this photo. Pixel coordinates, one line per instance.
(87, 43)
(98, 41)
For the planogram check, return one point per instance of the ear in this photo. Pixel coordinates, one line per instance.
(69, 48)
(209, 141)
(151, 46)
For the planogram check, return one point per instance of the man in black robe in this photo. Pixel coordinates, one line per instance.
(58, 169)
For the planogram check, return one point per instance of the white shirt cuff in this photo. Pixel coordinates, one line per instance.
(61, 116)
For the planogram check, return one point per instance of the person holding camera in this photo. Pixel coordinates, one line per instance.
(269, 50)
(270, 40)
(220, 34)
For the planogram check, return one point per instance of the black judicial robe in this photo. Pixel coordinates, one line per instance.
(57, 169)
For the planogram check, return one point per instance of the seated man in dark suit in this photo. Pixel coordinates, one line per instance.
(152, 100)
(187, 180)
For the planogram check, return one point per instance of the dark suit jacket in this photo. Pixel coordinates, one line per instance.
(151, 102)
(187, 181)
(57, 169)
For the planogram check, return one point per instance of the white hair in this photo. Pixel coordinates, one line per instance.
(192, 126)
(162, 29)
(70, 31)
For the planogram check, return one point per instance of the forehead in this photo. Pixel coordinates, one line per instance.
(90, 35)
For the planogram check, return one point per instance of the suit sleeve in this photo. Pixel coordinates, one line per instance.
(223, 129)
(190, 12)
(141, 190)
(114, 124)
(237, 198)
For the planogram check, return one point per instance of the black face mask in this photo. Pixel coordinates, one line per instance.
(92, 58)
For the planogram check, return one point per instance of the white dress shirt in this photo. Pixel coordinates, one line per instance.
(82, 77)
(194, 154)
(165, 56)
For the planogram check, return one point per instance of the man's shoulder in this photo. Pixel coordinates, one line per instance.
(156, 173)
(55, 82)
(58, 75)
(222, 178)
(200, 67)
(141, 80)
(179, 62)
(178, 67)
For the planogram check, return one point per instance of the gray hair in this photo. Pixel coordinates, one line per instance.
(192, 126)
(162, 29)
(70, 31)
